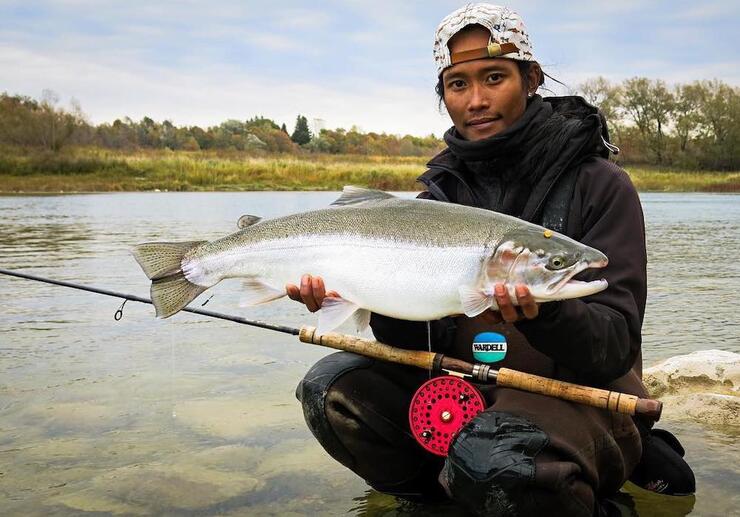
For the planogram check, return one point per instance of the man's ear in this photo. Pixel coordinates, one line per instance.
(534, 77)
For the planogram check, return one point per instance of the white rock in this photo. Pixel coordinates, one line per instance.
(713, 409)
(717, 370)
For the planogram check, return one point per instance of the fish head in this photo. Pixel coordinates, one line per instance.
(546, 262)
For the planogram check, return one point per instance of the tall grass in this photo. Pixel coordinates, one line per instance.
(98, 170)
(662, 180)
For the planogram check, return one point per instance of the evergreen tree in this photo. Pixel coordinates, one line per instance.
(301, 134)
(284, 129)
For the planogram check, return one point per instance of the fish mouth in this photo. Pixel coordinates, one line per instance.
(565, 287)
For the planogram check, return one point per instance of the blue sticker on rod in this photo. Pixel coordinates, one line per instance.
(489, 347)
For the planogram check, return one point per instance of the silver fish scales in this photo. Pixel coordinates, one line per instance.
(411, 259)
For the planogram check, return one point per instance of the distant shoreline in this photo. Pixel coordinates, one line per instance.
(90, 170)
(49, 193)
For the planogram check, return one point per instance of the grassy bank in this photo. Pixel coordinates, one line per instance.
(95, 170)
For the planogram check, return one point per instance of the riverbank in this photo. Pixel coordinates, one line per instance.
(96, 170)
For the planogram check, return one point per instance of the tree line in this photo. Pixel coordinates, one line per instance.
(42, 123)
(694, 125)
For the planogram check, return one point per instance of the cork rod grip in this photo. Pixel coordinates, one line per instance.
(368, 347)
(611, 400)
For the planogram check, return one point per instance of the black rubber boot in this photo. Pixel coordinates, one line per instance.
(662, 468)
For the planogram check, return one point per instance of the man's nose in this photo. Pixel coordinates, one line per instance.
(478, 98)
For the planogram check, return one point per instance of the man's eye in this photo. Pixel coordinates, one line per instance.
(457, 84)
(494, 78)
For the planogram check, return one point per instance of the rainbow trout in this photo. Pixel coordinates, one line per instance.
(412, 259)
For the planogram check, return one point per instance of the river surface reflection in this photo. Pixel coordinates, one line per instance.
(197, 417)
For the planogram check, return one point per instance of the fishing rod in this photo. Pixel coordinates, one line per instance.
(432, 361)
(126, 297)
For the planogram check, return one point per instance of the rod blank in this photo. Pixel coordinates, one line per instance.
(134, 298)
(609, 400)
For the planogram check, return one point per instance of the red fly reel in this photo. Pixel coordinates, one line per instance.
(440, 408)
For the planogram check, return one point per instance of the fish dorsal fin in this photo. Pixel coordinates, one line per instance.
(355, 195)
(247, 220)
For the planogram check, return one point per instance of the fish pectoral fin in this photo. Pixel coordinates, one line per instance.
(257, 292)
(247, 220)
(334, 312)
(362, 320)
(354, 195)
(474, 300)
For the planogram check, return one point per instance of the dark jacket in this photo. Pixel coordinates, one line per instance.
(553, 171)
(594, 340)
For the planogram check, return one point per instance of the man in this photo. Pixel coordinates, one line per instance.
(545, 161)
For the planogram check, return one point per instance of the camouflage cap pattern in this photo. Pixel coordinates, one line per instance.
(505, 26)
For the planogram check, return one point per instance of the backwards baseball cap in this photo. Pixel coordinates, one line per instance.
(509, 37)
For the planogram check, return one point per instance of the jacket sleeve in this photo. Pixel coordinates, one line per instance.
(599, 337)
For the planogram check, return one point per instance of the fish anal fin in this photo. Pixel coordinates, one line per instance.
(334, 312)
(256, 292)
(474, 300)
(362, 320)
(247, 220)
(352, 195)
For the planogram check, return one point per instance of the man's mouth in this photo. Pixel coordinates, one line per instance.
(481, 122)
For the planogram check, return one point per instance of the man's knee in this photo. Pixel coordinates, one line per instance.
(313, 387)
(490, 468)
(312, 392)
(357, 409)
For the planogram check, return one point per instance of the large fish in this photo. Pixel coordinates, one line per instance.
(411, 259)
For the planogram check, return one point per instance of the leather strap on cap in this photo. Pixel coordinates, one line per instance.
(492, 50)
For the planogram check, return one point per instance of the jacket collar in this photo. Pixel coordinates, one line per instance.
(446, 163)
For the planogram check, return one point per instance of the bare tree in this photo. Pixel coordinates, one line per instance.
(650, 105)
(608, 98)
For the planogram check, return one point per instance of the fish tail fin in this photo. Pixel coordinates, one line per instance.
(162, 263)
(172, 294)
(161, 259)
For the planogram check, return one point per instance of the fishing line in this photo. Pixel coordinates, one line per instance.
(131, 297)
(429, 341)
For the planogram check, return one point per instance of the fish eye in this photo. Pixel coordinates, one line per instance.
(556, 262)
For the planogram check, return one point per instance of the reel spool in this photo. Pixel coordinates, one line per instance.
(440, 408)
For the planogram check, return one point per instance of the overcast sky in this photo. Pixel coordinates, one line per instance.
(364, 63)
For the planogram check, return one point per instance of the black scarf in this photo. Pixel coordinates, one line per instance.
(513, 171)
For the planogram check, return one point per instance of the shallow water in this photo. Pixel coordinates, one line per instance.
(197, 417)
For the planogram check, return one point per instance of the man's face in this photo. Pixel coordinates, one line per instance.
(484, 96)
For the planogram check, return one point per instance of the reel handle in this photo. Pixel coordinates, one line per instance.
(596, 397)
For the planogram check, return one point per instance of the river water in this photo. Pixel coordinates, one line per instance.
(195, 416)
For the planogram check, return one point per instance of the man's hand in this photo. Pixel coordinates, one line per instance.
(507, 311)
(311, 293)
